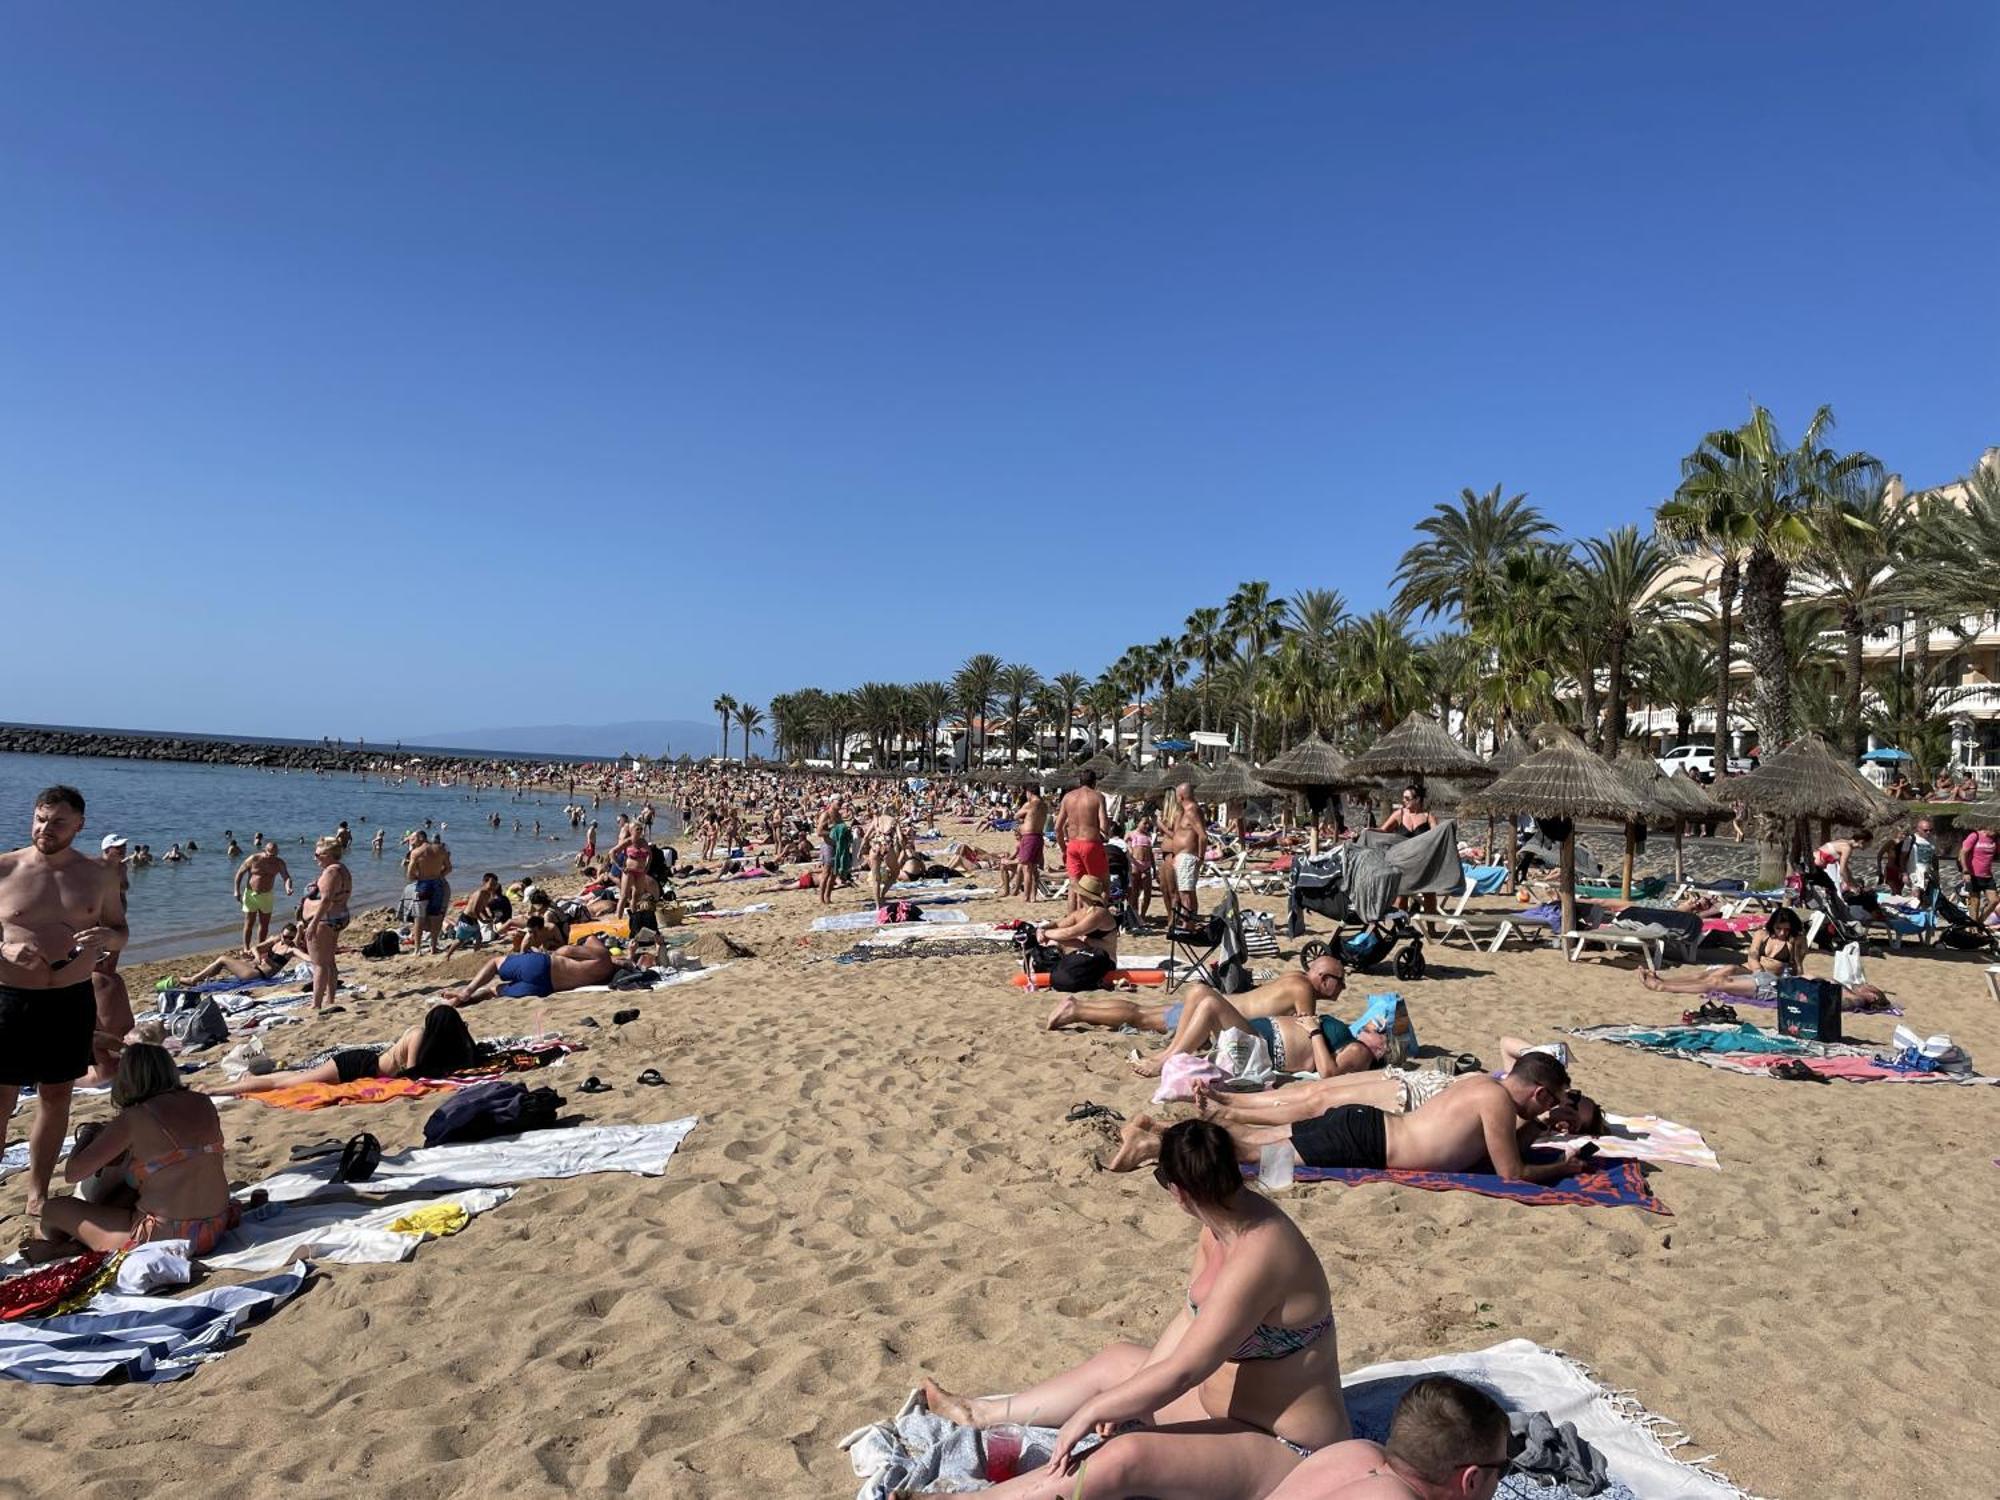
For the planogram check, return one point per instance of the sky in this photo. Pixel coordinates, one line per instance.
(377, 369)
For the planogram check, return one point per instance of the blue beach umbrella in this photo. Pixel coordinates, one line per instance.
(1887, 754)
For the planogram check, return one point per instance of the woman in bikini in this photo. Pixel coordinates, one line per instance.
(1242, 1385)
(437, 1048)
(267, 960)
(1779, 950)
(325, 912)
(170, 1139)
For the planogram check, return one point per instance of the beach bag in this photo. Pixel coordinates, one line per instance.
(1180, 1073)
(1808, 1009)
(1076, 972)
(201, 1024)
(1847, 966)
(384, 944)
(492, 1109)
(1243, 1055)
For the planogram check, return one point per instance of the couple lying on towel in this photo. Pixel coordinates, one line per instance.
(538, 974)
(1284, 1013)
(1239, 1398)
(1470, 1123)
(438, 1047)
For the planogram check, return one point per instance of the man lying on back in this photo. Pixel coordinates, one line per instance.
(1447, 1441)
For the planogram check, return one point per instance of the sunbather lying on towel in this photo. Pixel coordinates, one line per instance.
(538, 974)
(1476, 1124)
(267, 960)
(1284, 1012)
(1242, 1384)
(437, 1048)
(1758, 986)
(1447, 1441)
(155, 1172)
(1778, 949)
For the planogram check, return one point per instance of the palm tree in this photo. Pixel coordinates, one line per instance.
(1618, 585)
(972, 687)
(931, 702)
(1526, 623)
(1384, 670)
(1133, 672)
(725, 706)
(1255, 619)
(1674, 662)
(1069, 689)
(878, 712)
(1205, 640)
(1458, 564)
(750, 719)
(1849, 566)
(1106, 701)
(1958, 549)
(1016, 684)
(1775, 494)
(1713, 523)
(1316, 617)
(1168, 661)
(1452, 662)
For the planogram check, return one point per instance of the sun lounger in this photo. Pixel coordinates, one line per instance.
(1476, 930)
(1651, 949)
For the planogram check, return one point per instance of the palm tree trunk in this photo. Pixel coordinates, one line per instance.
(1593, 733)
(1726, 584)
(1614, 728)
(1850, 622)
(1765, 579)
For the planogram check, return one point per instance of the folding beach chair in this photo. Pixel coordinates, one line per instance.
(1193, 947)
(1475, 930)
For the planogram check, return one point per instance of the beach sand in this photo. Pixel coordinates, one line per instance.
(883, 1184)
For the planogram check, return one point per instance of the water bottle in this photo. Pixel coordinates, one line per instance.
(1274, 1167)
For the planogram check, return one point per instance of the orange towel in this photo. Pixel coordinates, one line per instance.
(361, 1091)
(1130, 976)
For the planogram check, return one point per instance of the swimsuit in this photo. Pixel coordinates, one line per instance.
(526, 974)
(1187, 868)
(432, 892)
(45, 1035)
(1083, 857)
(1333, 1029)
(202, 1233)
(1353, 1135)
(260, 901)
(351, 1063)
(1269, 1341)
(1028, 850)
(1421, 1086)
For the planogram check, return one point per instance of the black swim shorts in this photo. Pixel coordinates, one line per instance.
(1353, 1135)
(356, 1062)
(45, 1035)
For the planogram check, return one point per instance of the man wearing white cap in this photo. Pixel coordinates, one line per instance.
(107, 985)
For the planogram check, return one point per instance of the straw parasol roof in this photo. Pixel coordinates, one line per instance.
(1806, 780)
(1122, 779)
(1983, 814)
(1235, 780)
(1311, 764)
(1563, 781)
(1664, 804)
(1508, 754)
(1419, 747)
(1160, 777)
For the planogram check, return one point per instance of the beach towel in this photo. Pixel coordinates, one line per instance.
(1725, 997)
(860, 921)
(914, 935)
(539, 1155)
(1651, 1138)
(1583, 1426)
(1745, 1049)
(361, 1091)
(1618, 1184)
(142, 1338)
(298, 974)
(1486, 879)
(348, 1231)
(731, 911)
(15, 1157)
(662, 979)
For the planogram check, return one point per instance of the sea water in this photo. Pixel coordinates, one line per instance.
(182, 908)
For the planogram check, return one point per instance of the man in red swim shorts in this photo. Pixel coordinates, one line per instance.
(1083, 823)
(1030, 819)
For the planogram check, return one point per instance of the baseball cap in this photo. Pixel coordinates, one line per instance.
(112, 841)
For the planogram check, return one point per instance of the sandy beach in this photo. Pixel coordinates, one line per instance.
(883, 1184)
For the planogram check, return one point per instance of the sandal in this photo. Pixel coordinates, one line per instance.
(590, 1021)
(593, 1085)
(360, 1158)
(1465, 1063)
(1089, 1111)
(300, 1153)
(652, 1079)
(1795, 1071)
(619, 1018)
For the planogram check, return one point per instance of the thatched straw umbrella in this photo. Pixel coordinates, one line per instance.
(1984, 814)
(1670, 801)
(1316, 769)
(1235, 780)
(1121, 780)
(1805, 780)
(1418, 747)
(1564, 781)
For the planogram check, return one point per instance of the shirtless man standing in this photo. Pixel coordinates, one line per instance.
(1476, 1124)
(1031, 821)
(60, 913)
(428, 864)
(1082, 826)
(1187, 839)
(256, 881)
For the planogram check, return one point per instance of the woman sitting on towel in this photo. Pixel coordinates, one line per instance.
(1775, 951)
(1242, 1384)
(171, 1186)
(267, 960)
(441, 1046)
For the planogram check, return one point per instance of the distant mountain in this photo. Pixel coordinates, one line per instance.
(654, 737)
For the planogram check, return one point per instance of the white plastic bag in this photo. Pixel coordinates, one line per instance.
(1847, 966)
(1243, 1055)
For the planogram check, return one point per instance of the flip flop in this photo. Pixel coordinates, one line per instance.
(1089, 1111)
(1466, 1062)
(590, 1021)
(360, 1158)
(318, 1148)
(593, 1085)
(621, 1017)
(652, 1079)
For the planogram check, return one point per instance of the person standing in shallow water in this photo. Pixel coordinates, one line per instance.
(61, 912)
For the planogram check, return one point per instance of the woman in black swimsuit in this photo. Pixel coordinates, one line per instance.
(268, 960)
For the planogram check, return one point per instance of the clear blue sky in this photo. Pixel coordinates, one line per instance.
(367, 368)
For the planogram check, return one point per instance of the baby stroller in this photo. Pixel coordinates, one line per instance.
(1357, 883)
(1817, 892)
(1118, 865)
(1952, 924)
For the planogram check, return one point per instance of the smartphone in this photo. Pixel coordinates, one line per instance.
(1587, 1150)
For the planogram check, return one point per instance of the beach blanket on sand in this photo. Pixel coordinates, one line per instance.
(861, 921)
(1724, 997)
(1618, 1184)
(913, 935)
(1565, 1423)
(361, 1091)
(299, 974)
(1745, 1049)
(662, 979)
(146, 1339)
(1651, 1138)
(15, 1157)
(731, 911)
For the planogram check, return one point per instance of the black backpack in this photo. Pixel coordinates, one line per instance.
(385, 944)
(485, 1110)
(1076, 972)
